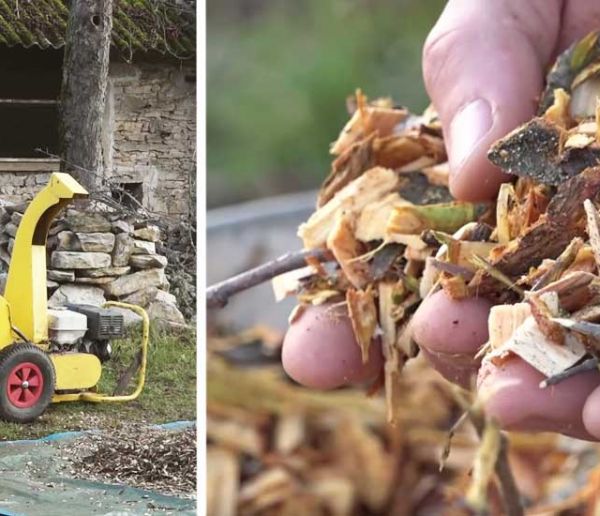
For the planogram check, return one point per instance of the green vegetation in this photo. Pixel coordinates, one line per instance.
(277, 76)
(169, 393)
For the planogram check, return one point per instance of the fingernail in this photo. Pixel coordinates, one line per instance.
(470, 124)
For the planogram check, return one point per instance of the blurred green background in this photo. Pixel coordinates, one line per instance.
(278, 73)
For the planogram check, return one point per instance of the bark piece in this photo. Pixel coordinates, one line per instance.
(288, 283)
(548, 237)
(383, 260)
(536, 149)
(438, 175)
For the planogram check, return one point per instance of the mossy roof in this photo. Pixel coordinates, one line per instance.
(166, 26)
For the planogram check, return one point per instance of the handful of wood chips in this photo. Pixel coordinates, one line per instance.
(394, 235)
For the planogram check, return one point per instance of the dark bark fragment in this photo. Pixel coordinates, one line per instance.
(417, 189)
(536, 150)
(383, 260)
(83, 92)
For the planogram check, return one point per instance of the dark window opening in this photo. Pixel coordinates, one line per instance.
(29, 92)
(130, 195)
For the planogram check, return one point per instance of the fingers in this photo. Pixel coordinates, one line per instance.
(591, 413)
(580, 17)
(450, 333)
(483, 69)
(512, 396)
(320, 351)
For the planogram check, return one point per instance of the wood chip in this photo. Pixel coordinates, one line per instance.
(530, 343)
(394, 360)
(363, 315)
(593, 228)
(346, 249)
(372, 186)
(373, 219)
(288, 283)
(222, 481)
(504, 320)
(366, 120)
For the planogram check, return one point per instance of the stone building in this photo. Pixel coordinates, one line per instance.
(149, 130)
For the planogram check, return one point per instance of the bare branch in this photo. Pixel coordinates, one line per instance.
(218, 295)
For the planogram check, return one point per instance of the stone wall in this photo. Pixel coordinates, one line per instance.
(151, 116)
(95, 257)
(149, 138)
(18, 186)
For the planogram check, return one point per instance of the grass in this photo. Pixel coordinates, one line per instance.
(169, 393)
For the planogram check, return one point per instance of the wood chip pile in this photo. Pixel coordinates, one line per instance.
(158, 460)
(275, 448)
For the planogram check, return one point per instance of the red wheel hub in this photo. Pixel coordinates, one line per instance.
(25, 384)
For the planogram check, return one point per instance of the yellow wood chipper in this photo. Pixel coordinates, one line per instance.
(52, 355)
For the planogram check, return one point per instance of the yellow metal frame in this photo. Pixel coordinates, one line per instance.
(96, 397)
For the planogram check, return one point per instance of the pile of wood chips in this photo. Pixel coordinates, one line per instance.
(275, 448)
(394, 236)
(154, 459)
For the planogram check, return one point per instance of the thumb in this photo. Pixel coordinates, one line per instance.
(483, 66)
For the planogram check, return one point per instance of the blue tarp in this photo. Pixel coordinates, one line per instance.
(35, 480)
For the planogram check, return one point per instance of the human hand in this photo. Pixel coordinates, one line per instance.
(484, 65)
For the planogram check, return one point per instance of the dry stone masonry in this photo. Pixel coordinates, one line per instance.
(95, 257)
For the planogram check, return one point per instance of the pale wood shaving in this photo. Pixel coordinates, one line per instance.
(394, 361)
(372, 186)
(579, 141)
(558, 112)
(372, 220)
(346, 248)
(530, 343)
(363, 315)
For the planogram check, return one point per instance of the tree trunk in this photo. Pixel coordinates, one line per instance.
(83, 92)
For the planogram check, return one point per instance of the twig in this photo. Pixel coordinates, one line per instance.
(218, 295)
(587, 365)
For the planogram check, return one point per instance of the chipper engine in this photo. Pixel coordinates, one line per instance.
(52, 355)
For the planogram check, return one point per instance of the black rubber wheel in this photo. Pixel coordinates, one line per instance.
(27, 382)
